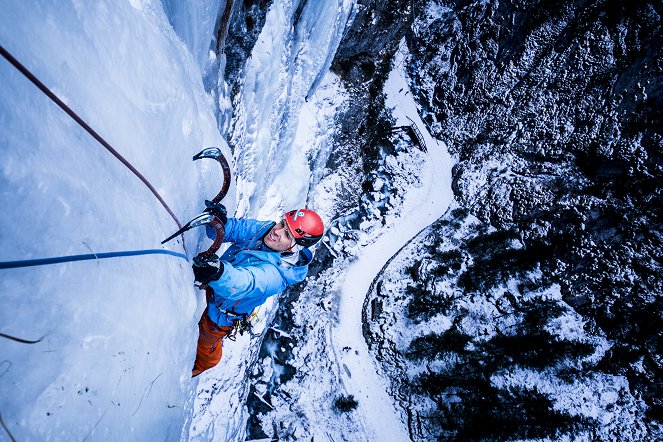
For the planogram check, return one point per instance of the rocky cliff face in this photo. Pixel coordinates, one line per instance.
(482, 346)
(534, 309)
(363, 61)
(237, 30)
(553, 112)
(553, 109)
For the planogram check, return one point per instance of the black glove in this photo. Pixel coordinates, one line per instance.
(218, 210)
(206, 273)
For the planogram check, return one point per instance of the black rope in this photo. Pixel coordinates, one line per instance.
(22, 341)
(4, 427)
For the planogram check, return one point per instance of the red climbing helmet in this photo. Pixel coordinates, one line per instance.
(305, 225)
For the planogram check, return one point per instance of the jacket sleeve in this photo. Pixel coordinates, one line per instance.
(238, 230)
(258, 281)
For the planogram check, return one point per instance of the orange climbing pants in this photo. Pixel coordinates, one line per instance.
(210, 347)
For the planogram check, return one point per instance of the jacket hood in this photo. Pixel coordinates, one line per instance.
(292, 273)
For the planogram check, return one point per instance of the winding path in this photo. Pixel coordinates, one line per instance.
(422, 206)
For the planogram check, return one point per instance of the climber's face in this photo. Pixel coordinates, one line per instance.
(279, 238)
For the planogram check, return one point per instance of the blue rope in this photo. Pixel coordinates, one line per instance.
(89, 256)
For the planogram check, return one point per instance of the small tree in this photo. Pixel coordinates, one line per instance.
(345, 403)
(433, 345)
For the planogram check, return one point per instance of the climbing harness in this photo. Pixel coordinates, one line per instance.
(243, 323)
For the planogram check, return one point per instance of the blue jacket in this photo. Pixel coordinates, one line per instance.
(251, 271)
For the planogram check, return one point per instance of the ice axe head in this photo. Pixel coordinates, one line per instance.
(216, 154)
(210, 152)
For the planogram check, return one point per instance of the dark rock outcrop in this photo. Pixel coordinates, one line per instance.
(237, 31)
(363, 62)
(554, 112)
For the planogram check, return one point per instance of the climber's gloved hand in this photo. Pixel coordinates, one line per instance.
(206, 273)
(218, 210)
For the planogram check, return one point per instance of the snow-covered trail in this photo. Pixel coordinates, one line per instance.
(422, 206)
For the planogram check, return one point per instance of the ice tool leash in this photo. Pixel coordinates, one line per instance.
(212, 212)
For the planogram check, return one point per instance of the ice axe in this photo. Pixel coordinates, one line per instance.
(211, 215)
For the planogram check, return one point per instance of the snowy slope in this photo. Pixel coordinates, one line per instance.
(422, 206)
(118, 335)
(327, 355)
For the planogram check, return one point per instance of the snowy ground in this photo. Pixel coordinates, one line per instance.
(422, 206)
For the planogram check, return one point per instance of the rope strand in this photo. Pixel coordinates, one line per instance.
(89, 256)
(30, 76)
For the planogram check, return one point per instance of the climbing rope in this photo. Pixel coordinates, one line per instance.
(45, 261)
(30, 76)
(85, 257)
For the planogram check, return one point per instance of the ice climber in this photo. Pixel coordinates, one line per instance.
(265, 257)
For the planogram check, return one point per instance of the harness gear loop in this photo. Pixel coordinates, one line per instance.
(242, 323)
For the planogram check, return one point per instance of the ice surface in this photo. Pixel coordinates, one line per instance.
(284, 66)
(118, 334)
(194, 22)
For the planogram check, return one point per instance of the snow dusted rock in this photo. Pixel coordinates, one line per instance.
(554, 114)
(490, 334)
(539, 316)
